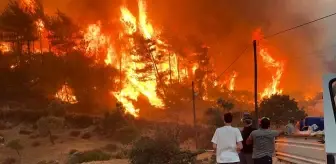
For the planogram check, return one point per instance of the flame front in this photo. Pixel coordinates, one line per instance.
(65, 94)
(270, 63)
(232, 81)
(273, 87)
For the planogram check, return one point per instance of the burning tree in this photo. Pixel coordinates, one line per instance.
(63, 33)
(18, 23)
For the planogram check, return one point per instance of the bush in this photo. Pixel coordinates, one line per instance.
(79, 121)
(88, 156)
(126, 134)
(15, 145)
(162, 148)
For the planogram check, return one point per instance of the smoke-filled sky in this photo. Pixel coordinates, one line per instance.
(226, 27)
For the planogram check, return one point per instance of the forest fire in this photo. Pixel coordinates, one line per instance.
(148, 66)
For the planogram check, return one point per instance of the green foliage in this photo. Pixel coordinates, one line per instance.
(162, 148)
(281, 108)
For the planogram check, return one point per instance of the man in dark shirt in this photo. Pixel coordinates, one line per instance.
(246, 152)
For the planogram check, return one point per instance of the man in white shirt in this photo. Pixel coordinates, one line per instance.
(227, 140)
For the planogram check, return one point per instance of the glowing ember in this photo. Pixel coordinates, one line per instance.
(65, 94)
(40, 25)
(232, 81)
(5, 47)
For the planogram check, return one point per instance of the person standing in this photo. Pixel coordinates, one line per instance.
(290, 127)
(246, 152)
(227, 140)
(263, 141)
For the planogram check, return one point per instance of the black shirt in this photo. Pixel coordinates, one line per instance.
(245, 134)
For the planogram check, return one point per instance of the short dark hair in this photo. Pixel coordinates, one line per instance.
(227, 117)
(248, 121)
(265, 123)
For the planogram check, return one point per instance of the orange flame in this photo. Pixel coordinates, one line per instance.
(5, 47)
(232, 81)
(65, 94)
(270, 62)
(94, 38)
(273, 87)
(40, 25)
(28, 5)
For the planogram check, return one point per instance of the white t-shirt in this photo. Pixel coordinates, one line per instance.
(226, 139)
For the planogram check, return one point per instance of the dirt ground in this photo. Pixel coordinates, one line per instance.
(46, 151)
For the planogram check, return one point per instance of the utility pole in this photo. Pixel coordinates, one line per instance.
(255, 81)
(194, 112)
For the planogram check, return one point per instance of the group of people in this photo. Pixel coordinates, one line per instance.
(233, 146)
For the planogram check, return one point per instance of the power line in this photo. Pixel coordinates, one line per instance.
(238, 57)
(275, 34)
(301, 25)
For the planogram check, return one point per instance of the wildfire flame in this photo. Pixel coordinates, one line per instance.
(40, 25)
(232, 81)
(270, 63)
(273, 87)
(5, 47)
(28, 5)
(65, 94)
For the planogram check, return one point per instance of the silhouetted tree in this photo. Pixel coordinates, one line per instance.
(281, 108)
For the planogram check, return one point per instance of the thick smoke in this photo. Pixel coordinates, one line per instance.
(226, 27)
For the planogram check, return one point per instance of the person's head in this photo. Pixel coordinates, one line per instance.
(227, 118)
(265, 123)
(247, 121)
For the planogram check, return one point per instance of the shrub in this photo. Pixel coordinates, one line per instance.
(126, 134)
(123, 154)
(162, 148)
(89, 156)
(79, 121)
(15, 145)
